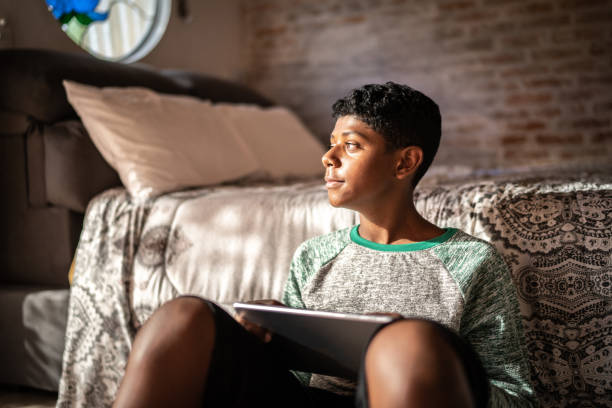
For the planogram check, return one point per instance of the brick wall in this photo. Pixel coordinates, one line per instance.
(518, 82)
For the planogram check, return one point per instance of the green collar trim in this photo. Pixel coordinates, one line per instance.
(416, 246)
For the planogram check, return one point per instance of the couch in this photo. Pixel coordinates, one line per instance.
(49, 172)
(553, 226)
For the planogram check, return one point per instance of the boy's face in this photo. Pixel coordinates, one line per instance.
(359, 169)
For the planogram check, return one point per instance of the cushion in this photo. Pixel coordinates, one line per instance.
(160, 143)
(33, 324)
(280, 142)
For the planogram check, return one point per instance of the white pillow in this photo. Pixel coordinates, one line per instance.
(276, 137)
(160, 143)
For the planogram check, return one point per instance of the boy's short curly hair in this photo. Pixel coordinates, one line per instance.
(402, 115)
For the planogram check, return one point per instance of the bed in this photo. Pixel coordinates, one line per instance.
(232, 241)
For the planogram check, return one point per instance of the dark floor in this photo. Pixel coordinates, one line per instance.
(21, 397)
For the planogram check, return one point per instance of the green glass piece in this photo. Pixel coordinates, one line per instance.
(75, 30)
(84, 19)
(66, 17)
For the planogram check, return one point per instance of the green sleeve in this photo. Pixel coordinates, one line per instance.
(491, 320)
(310, 256)
(292, 295)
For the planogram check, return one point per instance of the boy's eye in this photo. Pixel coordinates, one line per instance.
(351, 146)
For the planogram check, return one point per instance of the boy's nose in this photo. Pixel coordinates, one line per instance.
(329, 159)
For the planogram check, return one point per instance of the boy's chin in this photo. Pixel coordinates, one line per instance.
(337, 203)
(333, 200)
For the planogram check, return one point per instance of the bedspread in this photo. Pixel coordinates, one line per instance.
(235, 243)
(225, 244)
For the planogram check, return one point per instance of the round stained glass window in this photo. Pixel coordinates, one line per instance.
(115, 30)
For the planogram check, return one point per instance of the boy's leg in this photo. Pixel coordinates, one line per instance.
(421, 363)
(169, 360)
(192, 353)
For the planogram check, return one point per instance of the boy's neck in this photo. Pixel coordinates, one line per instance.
(400, 224)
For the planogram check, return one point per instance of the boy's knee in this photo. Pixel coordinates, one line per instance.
(184, 316)
(406, 341)
(412, 356)
(187, 312)
(181, 322)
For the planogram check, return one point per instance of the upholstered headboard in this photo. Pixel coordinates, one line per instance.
(31, 82)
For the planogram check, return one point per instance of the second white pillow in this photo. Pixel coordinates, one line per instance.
(281, 144)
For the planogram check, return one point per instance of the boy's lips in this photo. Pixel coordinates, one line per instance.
(333, 182)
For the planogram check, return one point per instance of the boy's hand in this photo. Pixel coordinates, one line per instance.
(263, 334)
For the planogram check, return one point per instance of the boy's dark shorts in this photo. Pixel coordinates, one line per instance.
(245, 372)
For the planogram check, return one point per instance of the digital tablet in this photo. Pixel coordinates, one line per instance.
(314, 341)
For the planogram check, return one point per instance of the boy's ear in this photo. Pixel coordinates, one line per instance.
(409, 160)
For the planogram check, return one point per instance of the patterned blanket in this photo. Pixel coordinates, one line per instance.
(235, 243)
(555, 233)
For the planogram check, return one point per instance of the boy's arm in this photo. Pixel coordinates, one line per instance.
(292, 295)
(491, 322)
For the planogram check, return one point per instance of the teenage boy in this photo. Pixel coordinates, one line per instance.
(459, 343)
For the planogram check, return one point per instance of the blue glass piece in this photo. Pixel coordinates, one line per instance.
(60, 7)
(97, 16)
